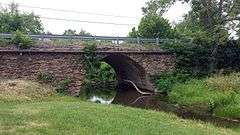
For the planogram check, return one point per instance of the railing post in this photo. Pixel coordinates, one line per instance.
(157, 41)
(95, 38)
(138, 40)
(117, 40)
(42, 38)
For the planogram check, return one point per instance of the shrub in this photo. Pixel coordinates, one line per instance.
(166, 81)
(91, 61)
(190, 57)
(231, 110)
(45, 77)
(3, 42)
(229, 82)
(48, 78)
(63, 86)
(196, 56)
(21, 40)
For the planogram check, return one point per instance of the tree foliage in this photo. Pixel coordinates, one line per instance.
(153, 26)
(133, 33)
(74, 32)
(209, 24)
(21, 40)
(70, 32)
(12, 20)
(215, 17)
(84, 33)
(157, 7)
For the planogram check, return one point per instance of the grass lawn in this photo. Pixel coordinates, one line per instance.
(52, 114)
(66, 115)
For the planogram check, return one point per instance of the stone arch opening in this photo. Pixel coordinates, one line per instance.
(132, 79)
(103, 89)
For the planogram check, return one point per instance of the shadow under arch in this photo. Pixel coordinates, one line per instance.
(132, 79)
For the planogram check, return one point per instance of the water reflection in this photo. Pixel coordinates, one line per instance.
(132, 98)
(100, 100)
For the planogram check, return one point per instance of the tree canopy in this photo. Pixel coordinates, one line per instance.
(153, 26)
(216, 17)
(12, 20)
(74, 32)
(210, 24)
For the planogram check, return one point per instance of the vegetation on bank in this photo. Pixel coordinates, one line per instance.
(68, 115)
(218, 95)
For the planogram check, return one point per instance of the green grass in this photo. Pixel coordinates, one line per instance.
(57, 114)
(219, 95)
(66, 115)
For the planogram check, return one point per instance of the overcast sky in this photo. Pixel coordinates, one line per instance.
(130, 8)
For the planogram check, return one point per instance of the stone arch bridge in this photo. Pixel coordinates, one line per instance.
(133, 68)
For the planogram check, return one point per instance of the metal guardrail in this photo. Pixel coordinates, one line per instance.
(116, 40)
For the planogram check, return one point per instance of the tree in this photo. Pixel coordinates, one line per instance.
(12, 20)
(84, 33)
(74, 32)
(209, 21)
(70, 32)
(213, 16)
(133, 33)
(153, 26)
(216, 18)
(157, 7)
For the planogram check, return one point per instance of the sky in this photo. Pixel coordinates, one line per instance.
(130, 9)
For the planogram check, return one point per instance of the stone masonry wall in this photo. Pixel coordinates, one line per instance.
(26, 65)
(155, 63)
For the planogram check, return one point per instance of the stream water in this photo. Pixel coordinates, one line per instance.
(129, 96)
(101, 100)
